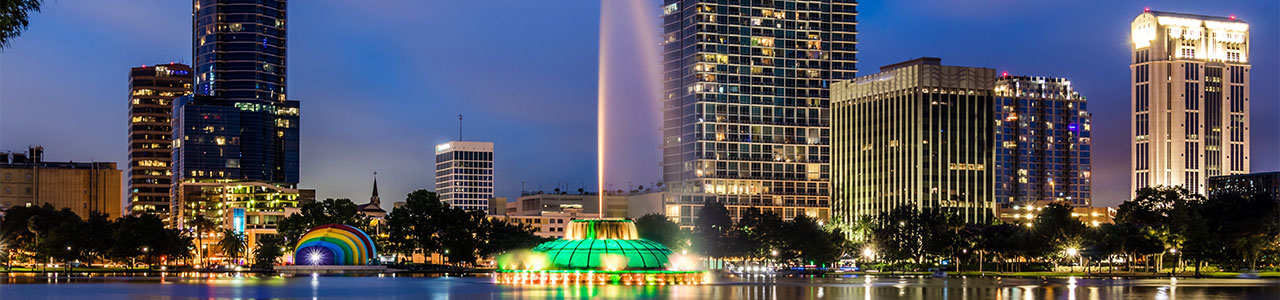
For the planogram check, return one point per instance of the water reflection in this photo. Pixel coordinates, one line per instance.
(99, 286)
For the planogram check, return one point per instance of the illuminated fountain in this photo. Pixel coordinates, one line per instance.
(605, 251)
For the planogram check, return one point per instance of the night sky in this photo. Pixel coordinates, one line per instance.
(381, 84)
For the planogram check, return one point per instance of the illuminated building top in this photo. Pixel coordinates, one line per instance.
(1189, 36)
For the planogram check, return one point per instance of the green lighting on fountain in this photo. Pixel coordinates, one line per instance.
(603, 251)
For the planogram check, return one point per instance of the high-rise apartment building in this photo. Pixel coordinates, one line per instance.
(918, 134)
(464, 174)
(235, 142)
(1190, 77)
(152, 90)
(746, 105)
(1042, 142)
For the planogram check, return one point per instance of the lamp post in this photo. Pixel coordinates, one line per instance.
(1177, 261)
(1074, 252)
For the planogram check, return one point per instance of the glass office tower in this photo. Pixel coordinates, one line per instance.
(1042, 142)
(238, 132)
(239, 48)
(232, 140)
(152, 90)
(745, 107)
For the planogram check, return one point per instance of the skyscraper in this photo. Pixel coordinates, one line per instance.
(464, 174)
(918, 134)
(235, 157)
(745, 108)
(1190, 99)
(1042, 142)
(152, 90)
(239, 48)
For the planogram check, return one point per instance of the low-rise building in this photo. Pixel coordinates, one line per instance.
(1267, 183)
(1026, 213)
(26, 179)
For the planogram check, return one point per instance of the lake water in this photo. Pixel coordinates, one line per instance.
(89, 286)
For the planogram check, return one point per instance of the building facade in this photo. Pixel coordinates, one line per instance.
(239, 48)
(1190, 99)
(464, 174)
(1267, 183)
(1025, 213)
(746, 105)
(238, 130)
(250, 208)
(917, 134)
(539, 203)
(1042, 142)
(26, 179)
(152, 90)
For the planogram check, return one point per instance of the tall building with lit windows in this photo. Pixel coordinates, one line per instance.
(1042, 142)
(239, 48)
(918, 134)
(1190, 77)
(236, 140)
(464, 174)
(152, 90)
(746, 103)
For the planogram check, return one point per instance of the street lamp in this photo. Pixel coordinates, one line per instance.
(1075, 252)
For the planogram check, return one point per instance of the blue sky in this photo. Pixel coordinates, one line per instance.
(381, 84)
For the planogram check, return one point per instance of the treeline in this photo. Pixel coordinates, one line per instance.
(423, 224)
(1231, 230)
(756, 236)
(42, 234)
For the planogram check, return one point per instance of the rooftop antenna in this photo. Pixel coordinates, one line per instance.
(459, 127)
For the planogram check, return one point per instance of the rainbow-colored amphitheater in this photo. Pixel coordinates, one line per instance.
(335, 244)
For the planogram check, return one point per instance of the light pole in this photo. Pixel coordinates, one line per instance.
(1073, 252)
(1177, 261)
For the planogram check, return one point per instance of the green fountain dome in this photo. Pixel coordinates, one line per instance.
(604, 245)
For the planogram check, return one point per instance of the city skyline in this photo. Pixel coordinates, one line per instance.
(557, 150)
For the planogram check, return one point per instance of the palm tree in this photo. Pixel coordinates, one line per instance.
(233, 244)
(201, 225)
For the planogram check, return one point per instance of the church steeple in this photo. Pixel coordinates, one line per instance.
(373, 200)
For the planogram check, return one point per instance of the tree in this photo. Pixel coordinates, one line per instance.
(1163, 211)
(1055, 230)
(268, 249)
(713, 230)
(145, 236)
(201, 225)
(761, 233)
(1244, 223)
(810, 242)
(233, 244)
(97, 236)
(658, 228)
(416, 225)
(329, 211)
(500, 236)
(14, 18)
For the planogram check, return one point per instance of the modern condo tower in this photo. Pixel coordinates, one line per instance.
(464, 174)
(746, 104)
(152, 90)
(918, 134)
(239, 48)
(1042, 142)
(1190, 99)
